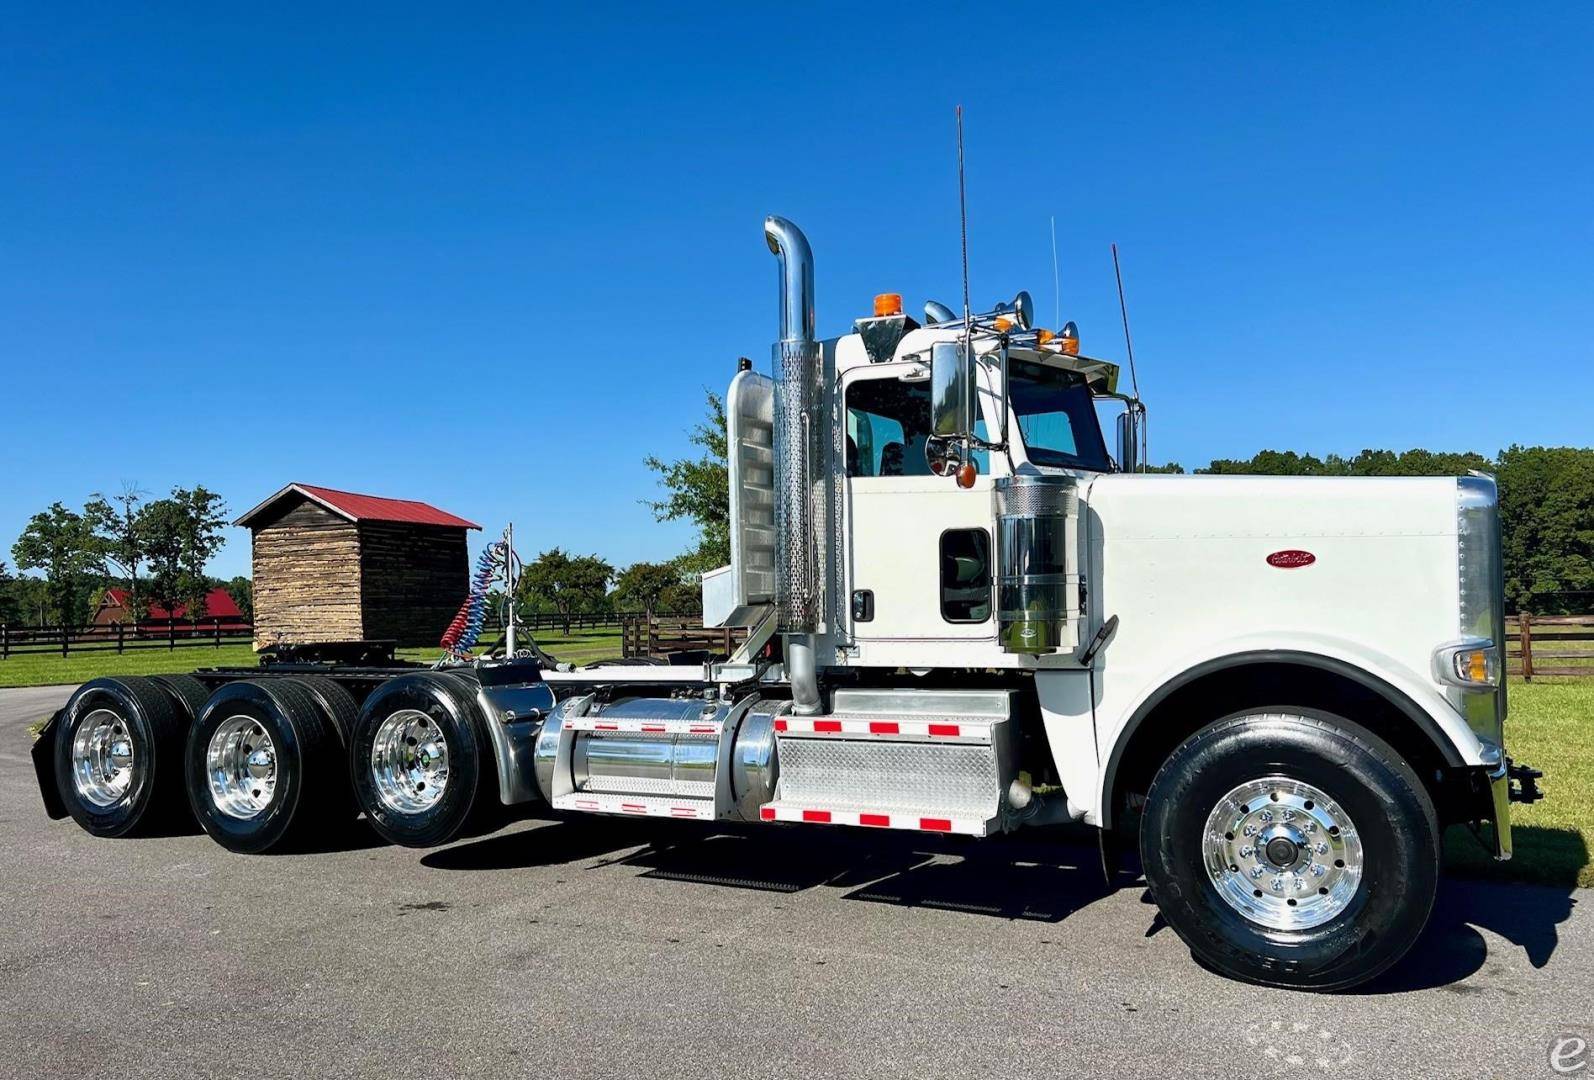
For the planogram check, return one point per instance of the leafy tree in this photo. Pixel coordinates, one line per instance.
(565, 583)
(10, 608)
(242, 591)
(644, 584)
(699, 490)
(1547, 522)
(120, 540)
(181, 534)
(62, 543)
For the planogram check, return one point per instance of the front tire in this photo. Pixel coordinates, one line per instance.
(1291, 847)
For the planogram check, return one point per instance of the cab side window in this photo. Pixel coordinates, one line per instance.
(887, 423)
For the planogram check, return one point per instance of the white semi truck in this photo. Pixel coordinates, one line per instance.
(963, 615)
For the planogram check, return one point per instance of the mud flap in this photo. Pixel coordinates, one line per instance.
(44, 768)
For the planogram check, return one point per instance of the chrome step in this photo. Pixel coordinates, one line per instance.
(935, 820)
(935, 760)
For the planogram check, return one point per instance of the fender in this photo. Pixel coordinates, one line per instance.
(1414, 698)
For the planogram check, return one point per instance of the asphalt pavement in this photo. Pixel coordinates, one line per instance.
(624, 950)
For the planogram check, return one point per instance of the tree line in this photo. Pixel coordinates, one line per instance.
(155, 549)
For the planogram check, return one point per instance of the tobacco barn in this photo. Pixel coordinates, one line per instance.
(338, 566)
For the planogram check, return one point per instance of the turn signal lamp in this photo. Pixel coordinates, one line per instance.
(1070, 339)
(887, 303)
(1042, 336)
(1004, 325)
(1476, 666)
(966, 474)
(1474, 663)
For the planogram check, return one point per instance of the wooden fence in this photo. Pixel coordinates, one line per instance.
(65, 639)
(666, 634)
(1550, 645)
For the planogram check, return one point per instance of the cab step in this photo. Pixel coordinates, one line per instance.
(912, 820)
(926, 760)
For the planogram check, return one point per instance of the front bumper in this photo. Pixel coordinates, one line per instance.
(1509, 782)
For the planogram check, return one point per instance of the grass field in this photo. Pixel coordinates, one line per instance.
(48, 669)
(1551, 727)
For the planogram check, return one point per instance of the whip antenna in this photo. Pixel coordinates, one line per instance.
(963, 229)
(1129, 345)
(1057, 289)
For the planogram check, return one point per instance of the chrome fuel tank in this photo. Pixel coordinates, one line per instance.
(633, 759)
(678, 757)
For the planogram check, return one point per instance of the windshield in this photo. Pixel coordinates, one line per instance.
(1057, 417)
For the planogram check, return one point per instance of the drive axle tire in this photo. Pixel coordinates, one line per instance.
(420, 761)
(118, 756)
(264, 766)
(188, 694)
(1292, 848)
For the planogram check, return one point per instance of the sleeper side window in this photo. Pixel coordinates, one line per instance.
(966, 575)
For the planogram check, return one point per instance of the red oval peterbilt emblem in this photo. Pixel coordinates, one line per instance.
(1289, 560)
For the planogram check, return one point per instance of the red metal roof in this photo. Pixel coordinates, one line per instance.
(357, 507)
(218, 605)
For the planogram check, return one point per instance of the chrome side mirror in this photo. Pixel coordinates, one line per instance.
(951, 390)
(1131, 437)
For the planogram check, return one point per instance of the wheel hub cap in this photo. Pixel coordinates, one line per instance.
(103, 758)
(1282, 853)
(241, 761)
(409, 762)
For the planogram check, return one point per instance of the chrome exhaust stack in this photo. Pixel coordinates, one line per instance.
(797, 362)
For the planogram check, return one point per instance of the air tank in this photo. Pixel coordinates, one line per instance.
(1033, 513)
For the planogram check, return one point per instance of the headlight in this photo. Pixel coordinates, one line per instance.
(1477, 660)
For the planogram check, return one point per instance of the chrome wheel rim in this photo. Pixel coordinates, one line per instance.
(103, 758)
(1282, 853)
(241, 761)
(409, 762)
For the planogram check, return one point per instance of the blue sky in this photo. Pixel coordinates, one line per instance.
(367, 246)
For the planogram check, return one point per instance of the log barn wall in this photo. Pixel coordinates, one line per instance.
(412, 580)
(306, 575)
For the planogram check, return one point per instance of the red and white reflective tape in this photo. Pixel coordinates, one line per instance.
(643, 727)
(855, 726)
(636, 806)
(873, 819)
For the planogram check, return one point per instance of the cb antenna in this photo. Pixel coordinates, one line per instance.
(1057, 288)
(963, 229)
(1129, 345)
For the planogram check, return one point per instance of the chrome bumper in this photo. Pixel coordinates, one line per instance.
(1500, 791)
(1509, 782)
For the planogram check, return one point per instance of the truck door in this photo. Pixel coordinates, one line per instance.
(918, 550)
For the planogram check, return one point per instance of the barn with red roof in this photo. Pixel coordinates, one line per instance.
(334, 565)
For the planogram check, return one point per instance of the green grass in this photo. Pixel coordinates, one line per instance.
(1551, 727)
(48, 669)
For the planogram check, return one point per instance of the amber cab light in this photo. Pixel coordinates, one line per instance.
(887, 303)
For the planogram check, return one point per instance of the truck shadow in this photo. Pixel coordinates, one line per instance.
(1005, 878)
(1045, 875)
